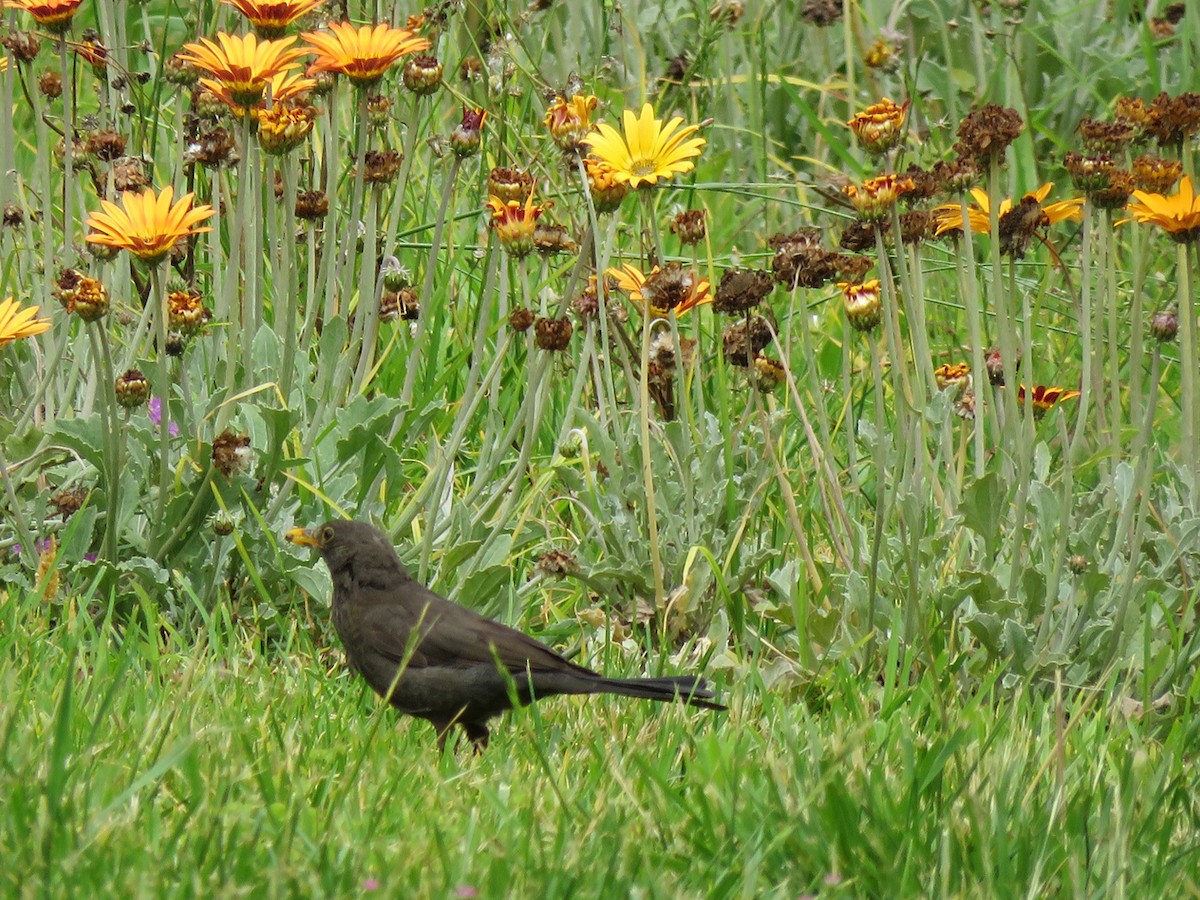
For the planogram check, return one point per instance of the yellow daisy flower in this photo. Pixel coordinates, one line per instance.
(1177, 215)
(361, 54)
(146, 224)
(17, 323)
(648, 150)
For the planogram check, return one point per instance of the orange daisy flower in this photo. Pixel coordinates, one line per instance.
(55, 15)
(361, 54)
(146, 224)
(17, 323)
(949, 215)
(271, 19)
(241, 67)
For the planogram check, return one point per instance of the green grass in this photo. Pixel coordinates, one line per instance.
(139, 762)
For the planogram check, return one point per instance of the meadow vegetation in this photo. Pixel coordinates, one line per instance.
(843, 352)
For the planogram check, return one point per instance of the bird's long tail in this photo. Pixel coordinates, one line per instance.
(686, 688)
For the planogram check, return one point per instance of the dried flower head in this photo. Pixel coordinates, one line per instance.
(549, 239)
(1156, 175)
(521, 319)
(50, 84)
(985, 133)
(745, 339)
(311, 205)
(552, 334)
(23, 45)
(68, 501)
(231, 453)
(742, 289)
(1098, 136)
(1174, 120)
(381, 166)
(822, 13)
(690, 226)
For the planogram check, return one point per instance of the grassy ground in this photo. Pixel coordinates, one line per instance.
(139, 762)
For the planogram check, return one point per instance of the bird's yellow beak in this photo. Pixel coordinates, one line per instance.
(305, 537)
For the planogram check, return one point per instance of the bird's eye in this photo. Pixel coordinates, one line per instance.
(326, 534)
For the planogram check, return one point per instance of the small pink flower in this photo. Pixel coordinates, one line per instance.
(370, 884)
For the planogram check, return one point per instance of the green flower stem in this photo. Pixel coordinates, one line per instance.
(1087, 381)
(347, 251)
(880, 493)
(416, 354)
(607, 385)
(369, 285)
(901, 388)
(1187, 367)
(970, 288)
(287, 272)
(1137, 318)
(396, 212)
(113, 437)
(248, 213)
(28, 550)
(914, 307)
(1001, 301)
(158, 299)
(647, 458)
(67, 258)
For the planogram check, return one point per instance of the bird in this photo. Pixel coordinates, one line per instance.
(438, 660)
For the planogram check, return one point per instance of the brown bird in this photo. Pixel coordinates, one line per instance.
(439, 661)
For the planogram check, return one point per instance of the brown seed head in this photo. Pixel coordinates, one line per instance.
(508, 183)
(552, 334)
(690, 226)
(742, 289)
(742, 342)
(521, 319)
(986, 132)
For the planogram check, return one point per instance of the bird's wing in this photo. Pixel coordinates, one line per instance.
(451, 635)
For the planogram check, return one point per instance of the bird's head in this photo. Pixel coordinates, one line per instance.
(346, 545)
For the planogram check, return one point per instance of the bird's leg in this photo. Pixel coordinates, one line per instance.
(477, 733)
(442, 727)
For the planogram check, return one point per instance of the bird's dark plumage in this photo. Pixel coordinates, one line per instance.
(443, 662)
